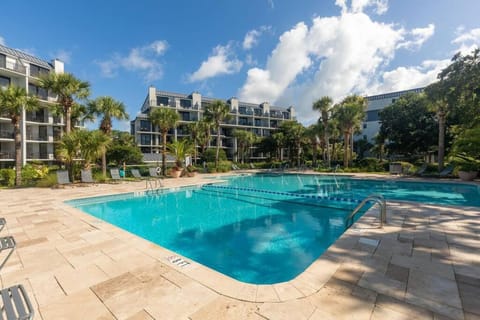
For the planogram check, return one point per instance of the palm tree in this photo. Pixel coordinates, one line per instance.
(349, 114)
(216, 112)
(312, 133)
(93, 145)
(110, 109)
(68, 89)
(180, 149)
(324, 105)
(13, 100)
(205, 133)
(68, 150)
(165, 119)
(245, 139)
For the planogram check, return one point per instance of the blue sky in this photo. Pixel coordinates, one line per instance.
(285, 52)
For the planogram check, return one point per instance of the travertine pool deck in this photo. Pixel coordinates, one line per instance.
(424, 264)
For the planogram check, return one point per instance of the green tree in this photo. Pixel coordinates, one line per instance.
(313, 132)
(67, 151)
(245, 139)
(123, 149)
(165, 119)
(294, 133)
(13, 100)
(180, 149)
(109, 109)
(68, 89)
(409, 125)
(92, 145)
(349, 114)
(324, 106)
(217, 112)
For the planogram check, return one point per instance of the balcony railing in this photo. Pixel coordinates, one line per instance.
(37, 155)
(34, 137)
(14, 66)
(6, 134)
(6, 155)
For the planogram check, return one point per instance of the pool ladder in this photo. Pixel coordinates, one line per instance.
(378, 199)
(153, 184)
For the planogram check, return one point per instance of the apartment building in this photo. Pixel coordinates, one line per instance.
(40, 128)
(371, 124)
(261, 119)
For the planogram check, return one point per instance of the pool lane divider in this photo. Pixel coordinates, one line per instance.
(282, 193)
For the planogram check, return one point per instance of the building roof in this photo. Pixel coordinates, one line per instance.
(25, 56)
(393, 94)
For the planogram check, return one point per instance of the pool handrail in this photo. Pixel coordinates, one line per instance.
(377, 198)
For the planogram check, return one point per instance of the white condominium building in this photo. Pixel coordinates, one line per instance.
(40, 128)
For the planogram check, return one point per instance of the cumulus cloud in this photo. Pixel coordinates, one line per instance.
(467, 40)
(251, 38)
(337, 56)
(221, 61)
(142, 59)
(419, 36)
(379, 6)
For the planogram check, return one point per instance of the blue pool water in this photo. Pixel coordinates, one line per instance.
(259, 229)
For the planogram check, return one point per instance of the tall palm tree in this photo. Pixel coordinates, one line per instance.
(68, 89)
(165, 119)
(324, 105)
(216, 112)
(349, 114)
(12, 102)
(107, 108)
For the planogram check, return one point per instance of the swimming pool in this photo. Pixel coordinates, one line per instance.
(260, 229)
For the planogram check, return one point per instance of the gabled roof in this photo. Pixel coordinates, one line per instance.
(25, 56)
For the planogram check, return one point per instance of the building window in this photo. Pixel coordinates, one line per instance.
(185, 103)
(372, 115)
(185, 116)
(145, 139)
(364, 126)
(37, 91)
(36, 71)
(4, 82)
(145, 125)
(162, 101)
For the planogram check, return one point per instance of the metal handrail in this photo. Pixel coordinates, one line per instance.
(377, 198)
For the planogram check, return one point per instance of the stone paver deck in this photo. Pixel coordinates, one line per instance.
(424, 264)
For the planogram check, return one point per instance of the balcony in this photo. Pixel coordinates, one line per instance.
(36, 117)
(5, 155)
(6, 134)
(33, 137)
(38, 155)
(13, 66)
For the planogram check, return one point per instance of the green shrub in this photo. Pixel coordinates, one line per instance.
(48, 181)
(33, 172)
(209, 155)
(7, 177)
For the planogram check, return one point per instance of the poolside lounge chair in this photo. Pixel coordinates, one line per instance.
(421, 170)
(7, 243)
(3, 222)
(115, 173)
(62, 177)
(86, 175)
(252, 166)
(235, 167)
(153, 173)
(446, 171)
(15, 303)
(136, 174)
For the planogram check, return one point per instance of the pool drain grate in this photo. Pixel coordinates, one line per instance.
(178, 261)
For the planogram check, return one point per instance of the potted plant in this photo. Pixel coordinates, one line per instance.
(466, 153)
(191, 171)
(180, 149)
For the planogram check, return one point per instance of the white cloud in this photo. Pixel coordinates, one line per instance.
(467, 41)
(419, 36)
(337, 56)
(221, 61)
(63, 55)
(271, 4)
(143, 59)
(379, 6)
(2, 41)
(251, 38)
